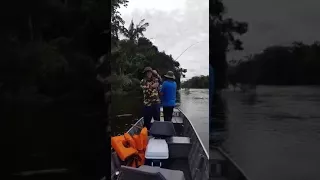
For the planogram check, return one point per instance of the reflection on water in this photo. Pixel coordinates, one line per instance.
(124, 105)
(273, 134)
(218, 124)
(220, 114)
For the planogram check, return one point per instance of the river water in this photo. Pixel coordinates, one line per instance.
(274, 134)
(194, 104)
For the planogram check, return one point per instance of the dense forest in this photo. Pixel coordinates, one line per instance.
(131, 54)
(224, 37)
(297, 64)
(197, 82)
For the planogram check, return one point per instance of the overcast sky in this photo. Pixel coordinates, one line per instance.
(174, 26)
(274, 22)
(177, 24)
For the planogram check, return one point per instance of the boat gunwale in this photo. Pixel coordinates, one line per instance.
(232, 161)
(135, 124)
(204, 149)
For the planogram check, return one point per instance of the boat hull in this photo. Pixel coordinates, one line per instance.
(196, 166)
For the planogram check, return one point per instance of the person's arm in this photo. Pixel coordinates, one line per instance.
(157, 75)
(162, 89)
(160, 79)
(155, 85)
(143, 84)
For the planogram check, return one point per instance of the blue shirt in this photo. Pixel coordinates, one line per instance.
(168, 90)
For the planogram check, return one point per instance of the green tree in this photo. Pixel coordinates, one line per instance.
(197, 82)
(130, 55)
(297, 64)
(135, 32)
(223, 38)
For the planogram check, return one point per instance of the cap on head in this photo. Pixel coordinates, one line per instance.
(146, 69)
(170, 75)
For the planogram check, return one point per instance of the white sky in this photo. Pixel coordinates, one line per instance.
(174, 26)
(275, 22)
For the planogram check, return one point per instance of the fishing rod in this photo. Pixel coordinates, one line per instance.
(187, 49)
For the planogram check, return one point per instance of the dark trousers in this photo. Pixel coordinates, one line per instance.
(150, 112)
(167, 112)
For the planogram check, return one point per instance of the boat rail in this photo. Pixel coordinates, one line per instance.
(198, 157)
(233, 164)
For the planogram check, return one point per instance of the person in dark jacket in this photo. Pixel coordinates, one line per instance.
(168, 95)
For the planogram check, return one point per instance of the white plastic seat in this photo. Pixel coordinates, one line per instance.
(157, 149)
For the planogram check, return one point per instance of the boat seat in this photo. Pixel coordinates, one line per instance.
(157, 149)
(162, 129)
(179, 147)
(148, 172)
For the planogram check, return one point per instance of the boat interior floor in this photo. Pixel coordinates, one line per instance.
(180, 164)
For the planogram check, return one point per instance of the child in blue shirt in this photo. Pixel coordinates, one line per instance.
(168, 95)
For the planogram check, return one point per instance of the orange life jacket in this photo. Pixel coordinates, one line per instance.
(119, 145)
(131, 149)
(138, 141)
(144, 137)
(142, 158)
(130, 140)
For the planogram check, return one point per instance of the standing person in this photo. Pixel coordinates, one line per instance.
(151, 99)
(168, 92)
